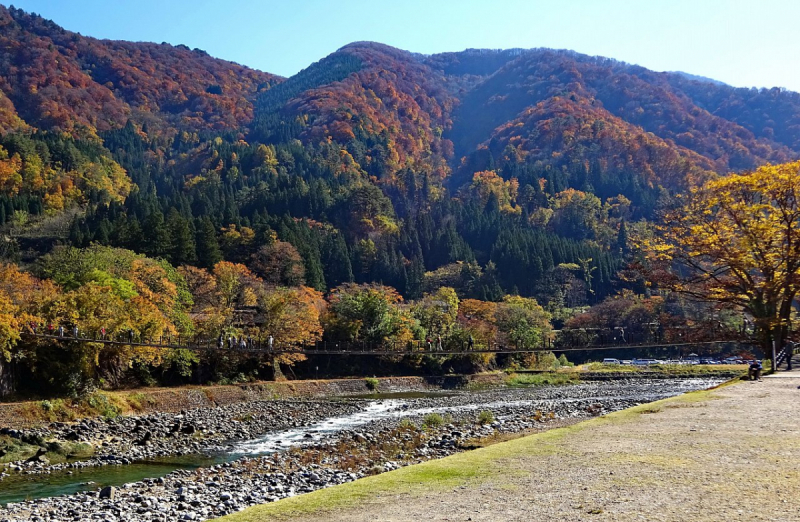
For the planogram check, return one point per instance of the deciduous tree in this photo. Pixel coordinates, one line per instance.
(736, 241)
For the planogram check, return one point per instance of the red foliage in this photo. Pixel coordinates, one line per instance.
(61, 80)
(394, 96)
(636, 95)
(561, 132)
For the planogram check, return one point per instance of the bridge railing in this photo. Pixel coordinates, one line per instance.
(248, 344)
(563, 340)
(590, 338)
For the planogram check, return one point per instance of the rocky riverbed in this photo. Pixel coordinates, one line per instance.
(314, 444)
(124, 440)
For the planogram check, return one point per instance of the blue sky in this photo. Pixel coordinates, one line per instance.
(743, 43)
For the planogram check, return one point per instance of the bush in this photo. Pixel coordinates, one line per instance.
(485, 417)
(563, 362)
(372, 383)
(101, 404)
(138, 401)
(55, 410)
(433, 420)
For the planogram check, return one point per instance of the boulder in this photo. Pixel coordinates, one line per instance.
(108, 492)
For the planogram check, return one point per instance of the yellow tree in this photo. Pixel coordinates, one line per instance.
(437, 311)
(291, 316)
(487, 183)
(234, 284)
(736, 241)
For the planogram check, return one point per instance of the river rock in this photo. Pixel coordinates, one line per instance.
(109, 492)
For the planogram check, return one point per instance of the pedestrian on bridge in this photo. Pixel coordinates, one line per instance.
(75, 331)
(270, 342)
(439, 343)
(61, 331)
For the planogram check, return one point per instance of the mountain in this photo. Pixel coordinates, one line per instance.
(59, 80)
(664, 104)
(490, 170)
(698, 78)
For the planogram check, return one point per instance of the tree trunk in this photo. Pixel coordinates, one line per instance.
(277, 374)
(6, 378)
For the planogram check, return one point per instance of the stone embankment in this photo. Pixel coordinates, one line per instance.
(170, 400)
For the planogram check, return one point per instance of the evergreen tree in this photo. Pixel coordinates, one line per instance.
(336, 260)
(182, 245)
(157, 238)
(208, 251)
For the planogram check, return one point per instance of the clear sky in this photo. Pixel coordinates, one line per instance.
(741, 42)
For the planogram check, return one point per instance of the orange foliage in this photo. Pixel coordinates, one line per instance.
(66, 81)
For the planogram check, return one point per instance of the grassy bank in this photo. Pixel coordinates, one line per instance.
(111, 404)
(467, 469)
(98, 404)
(12, 449)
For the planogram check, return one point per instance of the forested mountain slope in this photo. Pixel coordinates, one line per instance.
(493, 172)
(60, 80)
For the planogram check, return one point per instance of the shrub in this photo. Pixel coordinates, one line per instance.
(563, 362)
(138, 400)
(372, 383)
(538, 379)
(433, 420)
(103, 406)
(55, 410)
(485, 417)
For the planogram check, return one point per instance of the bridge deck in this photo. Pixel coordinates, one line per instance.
(345, 348)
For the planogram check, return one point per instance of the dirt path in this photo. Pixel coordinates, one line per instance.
(728, 455)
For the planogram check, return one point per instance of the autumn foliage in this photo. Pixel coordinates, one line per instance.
(736, 241)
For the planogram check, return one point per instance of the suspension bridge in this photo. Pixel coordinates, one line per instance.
(568, 340)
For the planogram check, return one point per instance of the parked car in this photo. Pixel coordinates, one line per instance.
(733, 360)
(610, 361)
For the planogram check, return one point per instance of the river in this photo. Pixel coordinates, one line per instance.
(372, 413)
